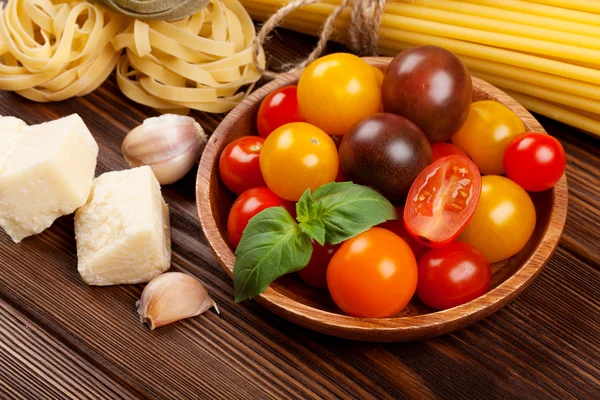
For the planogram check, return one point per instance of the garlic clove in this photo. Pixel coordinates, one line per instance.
(170, 144)
(171, 297)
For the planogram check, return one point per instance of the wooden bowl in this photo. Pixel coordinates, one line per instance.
(314, 309)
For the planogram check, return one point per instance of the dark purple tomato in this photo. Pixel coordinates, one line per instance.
(386, 151)
(431, 87)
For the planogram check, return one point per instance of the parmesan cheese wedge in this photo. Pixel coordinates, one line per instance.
(46, 172)
(123, 232)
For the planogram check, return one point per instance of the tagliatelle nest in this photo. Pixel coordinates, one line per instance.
(166, 10)
(51, 50)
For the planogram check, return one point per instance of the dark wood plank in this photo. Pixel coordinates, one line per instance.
(543, 345)
(37, 366)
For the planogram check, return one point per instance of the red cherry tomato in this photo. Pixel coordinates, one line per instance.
(280, 107)
(239, 164)
(439, 150)
(250, 203)
(442, 200)
(535, 161)
(397, 226)
(315, 273)
(453, 275)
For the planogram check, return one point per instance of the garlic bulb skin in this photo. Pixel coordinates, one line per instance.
(170, 144)
(171, 297)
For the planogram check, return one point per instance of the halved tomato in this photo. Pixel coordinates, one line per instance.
(442, 200)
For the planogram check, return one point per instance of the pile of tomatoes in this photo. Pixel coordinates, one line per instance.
(458, 172)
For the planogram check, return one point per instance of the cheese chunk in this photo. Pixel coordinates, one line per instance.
(11, 129)
(123, 232)
(46, 171)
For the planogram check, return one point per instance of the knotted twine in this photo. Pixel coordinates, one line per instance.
(365, 19)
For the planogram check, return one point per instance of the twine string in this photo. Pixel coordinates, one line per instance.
(363, 33)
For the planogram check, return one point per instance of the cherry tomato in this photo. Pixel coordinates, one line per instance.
(535, 161)
(397, 226)
(431, 87)
(372, 275)
(315, 273)
(250, 203)
(340, 176)
(337, 91)
(386, 151)
(280, 107)
(239, 164)
(296, 157)
(439, 150)
(453, 275)
(442, 200)
(503, 221)
(485, 134)
(379, 75)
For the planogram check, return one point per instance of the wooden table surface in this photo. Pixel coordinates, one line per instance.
(62, 339)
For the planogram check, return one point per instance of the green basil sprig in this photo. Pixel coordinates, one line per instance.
(274, 244)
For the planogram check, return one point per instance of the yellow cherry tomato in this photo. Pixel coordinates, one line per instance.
(337, 91)
(378, 75)
(503, 221)
(296, 157)
(489, 128)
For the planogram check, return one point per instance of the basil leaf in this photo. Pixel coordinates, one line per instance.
(347, 209)
(306, 209)
(315, 230)
(272, 245)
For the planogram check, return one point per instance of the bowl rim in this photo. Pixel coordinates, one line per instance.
(437, 322)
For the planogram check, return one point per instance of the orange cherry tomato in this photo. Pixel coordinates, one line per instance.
(373, 275)
(337, 91)
(296, 157)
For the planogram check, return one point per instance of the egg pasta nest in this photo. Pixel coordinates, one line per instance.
(51, 50)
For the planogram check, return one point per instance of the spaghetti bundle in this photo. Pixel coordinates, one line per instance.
(51, 50)
(545, 53)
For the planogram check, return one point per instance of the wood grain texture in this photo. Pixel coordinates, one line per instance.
(59, 373)
(314, 309)
(545, 344)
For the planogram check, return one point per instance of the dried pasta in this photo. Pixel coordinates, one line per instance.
(51, 50)
(197, 63)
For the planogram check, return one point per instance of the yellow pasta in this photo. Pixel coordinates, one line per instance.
(502, 15)
(51, 50)
(173, 66)
(558, 113)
